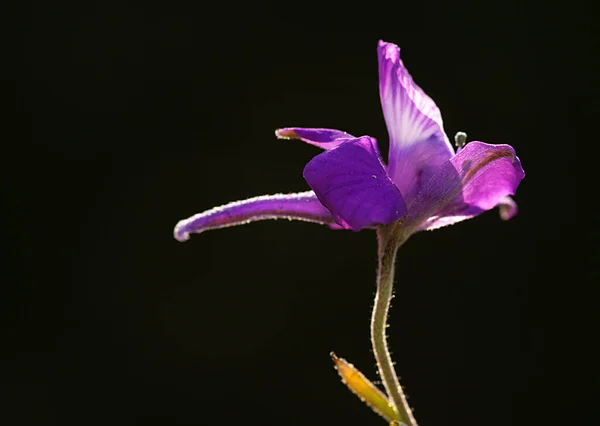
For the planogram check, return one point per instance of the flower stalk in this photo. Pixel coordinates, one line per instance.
(425, 185)
(390, 238)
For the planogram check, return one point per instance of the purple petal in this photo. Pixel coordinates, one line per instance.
(351, 181)
(478, 178)
(301, 206)
(418, 144)
(323, 138)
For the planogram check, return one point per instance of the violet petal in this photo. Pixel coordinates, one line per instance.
(352, 182)
(323, 138)
(418, 143)
(478, 178)
(300, 206)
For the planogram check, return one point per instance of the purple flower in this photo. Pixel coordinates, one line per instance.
(426, 183)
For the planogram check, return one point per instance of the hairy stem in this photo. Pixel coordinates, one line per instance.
(390, 239)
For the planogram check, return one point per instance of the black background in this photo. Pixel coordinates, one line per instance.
(134, 117)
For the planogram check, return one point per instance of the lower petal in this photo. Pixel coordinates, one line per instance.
(478, 178)
(352, 182)
(323, 138)
(507, 208)
(300, 206)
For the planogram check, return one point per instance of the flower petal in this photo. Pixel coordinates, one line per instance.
(301, 206)
(478, 178)
(507, 210)
(418, 144)
(352, 182)
(323, 138)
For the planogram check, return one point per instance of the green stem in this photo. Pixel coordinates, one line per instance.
(390, 239)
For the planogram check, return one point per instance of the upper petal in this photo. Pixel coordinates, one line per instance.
(418, 143)
(300, 206)
(352, 182)
(323, 138)
(478, 178)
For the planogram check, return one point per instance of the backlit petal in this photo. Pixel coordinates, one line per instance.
(352, 182)
(479, 178)
(418, 143)
(323, 138)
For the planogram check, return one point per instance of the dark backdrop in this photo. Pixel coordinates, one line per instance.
(134, 117)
